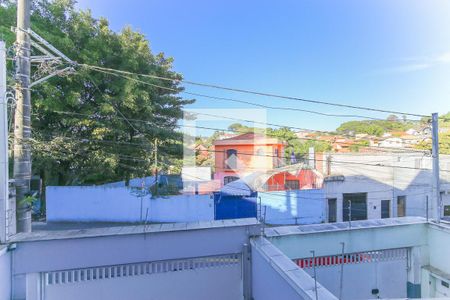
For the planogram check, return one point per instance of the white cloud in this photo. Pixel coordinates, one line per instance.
(418, 64)
(444, 58)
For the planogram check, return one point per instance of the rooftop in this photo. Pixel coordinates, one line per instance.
(248, 138)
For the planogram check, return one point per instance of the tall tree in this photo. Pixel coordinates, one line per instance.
(85, 125)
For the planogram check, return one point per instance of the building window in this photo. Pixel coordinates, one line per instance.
(385, 209)
(354, 207)
(292, 185)
(231, 159)
(332, 210)
(228, 179)
(447, 210)
(401, 206)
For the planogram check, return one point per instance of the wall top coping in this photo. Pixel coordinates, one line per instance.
(132, 230)
(341, 226)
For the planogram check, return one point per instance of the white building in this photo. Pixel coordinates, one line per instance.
(392, 142)
(374, 186)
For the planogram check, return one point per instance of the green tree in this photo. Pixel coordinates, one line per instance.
(444, 136)
(84, 126)
(376, 127)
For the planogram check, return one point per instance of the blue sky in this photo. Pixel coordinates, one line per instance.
(378, 53)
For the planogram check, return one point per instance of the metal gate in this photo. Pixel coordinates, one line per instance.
(234, 207)
(366, 275)
(193, 278)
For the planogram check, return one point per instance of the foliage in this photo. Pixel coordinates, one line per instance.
(164, 190)
(361, 143)
(444, 136)
(93, 141)
(294, 145)
(376, 127)
(28, 200)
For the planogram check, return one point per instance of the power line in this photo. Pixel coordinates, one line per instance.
(256, 92)
(154, 126)
(291, 127)
(237, 100)
(335, 162)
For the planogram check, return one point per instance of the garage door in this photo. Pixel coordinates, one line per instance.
(194, 278)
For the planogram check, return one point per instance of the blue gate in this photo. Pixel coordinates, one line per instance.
(234, 207)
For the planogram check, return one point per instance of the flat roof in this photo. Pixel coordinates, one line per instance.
(339, 226)
(128, 230)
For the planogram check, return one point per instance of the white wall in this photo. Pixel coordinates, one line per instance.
(218, 282)
(294, 207)
(182, 208)
(275, 276)
(5, 274)
(117, 204)
(398, 178)
(360, 278)
(95, 248)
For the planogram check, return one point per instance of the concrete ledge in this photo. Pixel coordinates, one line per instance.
(341, 226)
(301, 284)
(132, 230)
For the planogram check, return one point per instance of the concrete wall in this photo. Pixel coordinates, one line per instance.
(76, 249)
(416, 196)
(406, 174)
(388, 276)
(5, 274)
(223, 283)
(294, 207)
(118, 204)
(275, 276)
(439, 247)
(437, 266)
(325, 239)
(356, 240)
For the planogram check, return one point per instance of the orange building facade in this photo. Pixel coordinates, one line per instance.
(246, 154)
(242, 155)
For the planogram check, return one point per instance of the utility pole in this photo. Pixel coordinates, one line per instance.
(22, 117)
(315, 273)
(341, 279)
(435, 155)
(156, 166)
(4, 195)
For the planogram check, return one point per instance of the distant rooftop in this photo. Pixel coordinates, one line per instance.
(248, 138)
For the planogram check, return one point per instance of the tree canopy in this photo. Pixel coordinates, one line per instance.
(375, 127)
(444, 135)
(91, 127)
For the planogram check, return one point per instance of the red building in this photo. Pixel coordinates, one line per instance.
(259, 160)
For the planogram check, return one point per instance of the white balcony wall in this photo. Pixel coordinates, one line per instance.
(119, 204)
(5, 273)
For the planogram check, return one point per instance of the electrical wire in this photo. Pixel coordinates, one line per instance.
(257, 92)
(237, 100)
(155, 127)
(336, 162)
